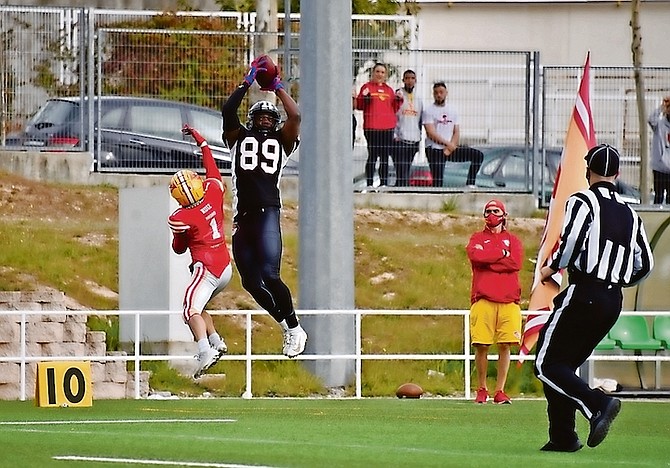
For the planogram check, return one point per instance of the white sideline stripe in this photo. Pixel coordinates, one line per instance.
(116, 421)
(154, 462)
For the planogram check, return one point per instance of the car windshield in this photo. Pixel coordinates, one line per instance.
(209, 126)
(159, 121)
(55, 112)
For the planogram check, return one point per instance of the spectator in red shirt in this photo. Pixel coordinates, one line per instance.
(495, 316)
(379, 104)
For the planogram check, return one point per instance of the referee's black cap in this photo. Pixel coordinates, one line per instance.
(603, 160)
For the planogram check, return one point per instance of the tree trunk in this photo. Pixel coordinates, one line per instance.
(636, 49)
(265, 42)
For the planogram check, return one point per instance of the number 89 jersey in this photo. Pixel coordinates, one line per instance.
(258, 160)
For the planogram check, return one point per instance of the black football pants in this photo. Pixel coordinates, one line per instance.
(257, 250)
(583, 314)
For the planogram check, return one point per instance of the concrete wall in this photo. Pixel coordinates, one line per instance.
(63, 334)
(70, 168)
(562, 31)
(145, 239)
(75, 168)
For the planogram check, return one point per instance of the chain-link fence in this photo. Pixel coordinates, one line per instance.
(506, 101)
(38, 53)
(613, 104)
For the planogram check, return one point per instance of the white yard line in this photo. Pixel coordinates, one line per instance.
(154, 462)
(116, 421)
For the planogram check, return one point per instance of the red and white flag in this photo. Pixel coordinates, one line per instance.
(570, 178)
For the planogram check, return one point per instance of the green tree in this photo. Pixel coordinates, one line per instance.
(358, 7)
(147, 60)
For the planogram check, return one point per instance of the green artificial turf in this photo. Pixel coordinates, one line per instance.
(317, 433)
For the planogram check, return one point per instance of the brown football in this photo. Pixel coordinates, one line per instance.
(265, 77)
(409, 390)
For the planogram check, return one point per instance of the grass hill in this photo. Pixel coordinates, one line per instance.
(66, 237)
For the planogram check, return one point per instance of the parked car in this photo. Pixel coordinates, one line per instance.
(135, 132)
(509, 168)
(504, 169)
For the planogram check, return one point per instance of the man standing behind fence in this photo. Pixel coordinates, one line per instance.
(443, 131)
(407, 129)
(603, 246)
(659, 121)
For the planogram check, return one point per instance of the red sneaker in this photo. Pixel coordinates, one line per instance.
(482, 395)
(501, 399)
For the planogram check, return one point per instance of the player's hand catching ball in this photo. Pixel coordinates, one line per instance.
(275, 86)
(253, 71)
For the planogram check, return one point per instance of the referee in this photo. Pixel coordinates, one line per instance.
(604, 248)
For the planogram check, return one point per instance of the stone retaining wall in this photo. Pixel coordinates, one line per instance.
(63, 334)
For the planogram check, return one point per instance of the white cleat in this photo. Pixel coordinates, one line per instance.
(294, 341)
(221, 349)
(206, 359)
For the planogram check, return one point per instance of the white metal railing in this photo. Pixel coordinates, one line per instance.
(467, 357)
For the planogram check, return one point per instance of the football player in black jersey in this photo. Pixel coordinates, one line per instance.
(259, 151)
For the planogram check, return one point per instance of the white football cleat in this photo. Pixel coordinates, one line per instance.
(206, 359)
(221, 349)
(294, 341)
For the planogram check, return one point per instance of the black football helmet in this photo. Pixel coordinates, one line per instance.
(264, 107)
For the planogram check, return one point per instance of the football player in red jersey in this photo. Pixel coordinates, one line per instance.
(198, 226)
(259, 152)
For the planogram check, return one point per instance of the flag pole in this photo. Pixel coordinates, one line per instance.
(570, 178)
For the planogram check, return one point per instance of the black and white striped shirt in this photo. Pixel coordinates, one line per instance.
(603, 238)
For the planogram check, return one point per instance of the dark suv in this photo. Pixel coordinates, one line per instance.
(135, 133)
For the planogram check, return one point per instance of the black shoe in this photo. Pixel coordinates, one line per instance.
(601, 421)
(552, 447)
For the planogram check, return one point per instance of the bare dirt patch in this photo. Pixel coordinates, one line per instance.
(28, 199)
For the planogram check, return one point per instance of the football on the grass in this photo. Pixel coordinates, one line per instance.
(264, 78)
(409, 390)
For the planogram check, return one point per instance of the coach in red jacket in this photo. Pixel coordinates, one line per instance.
(495, 316)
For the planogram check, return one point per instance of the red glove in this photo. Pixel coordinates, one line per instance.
(188, 130)
(179, 242)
